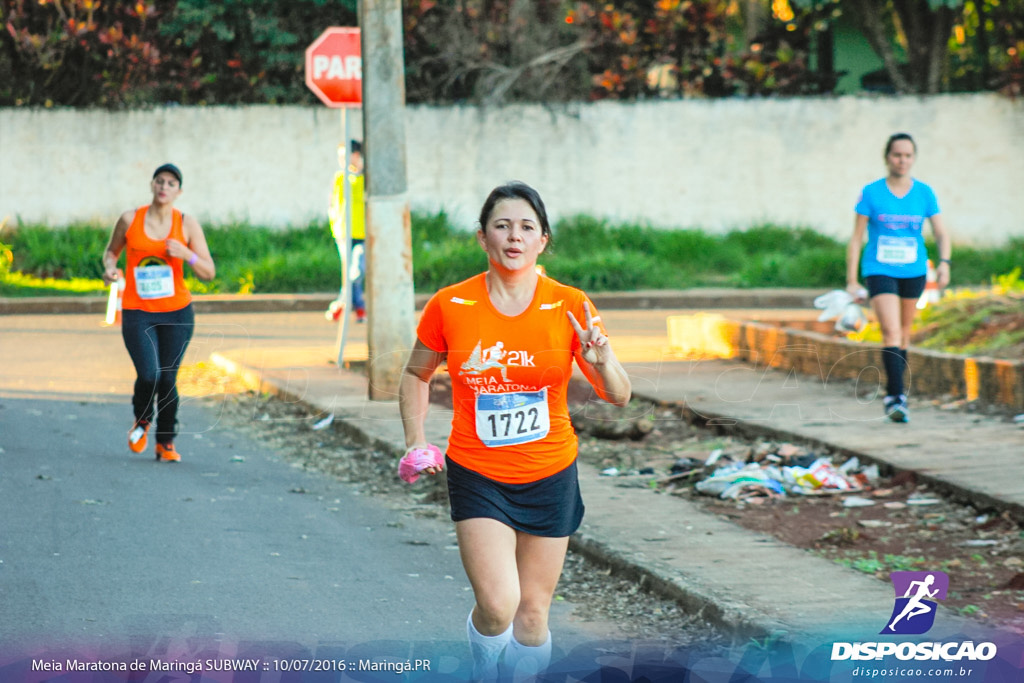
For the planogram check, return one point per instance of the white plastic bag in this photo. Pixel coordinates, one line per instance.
(839, 304)
(833, 304)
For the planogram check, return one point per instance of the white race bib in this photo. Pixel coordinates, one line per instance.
(154, 282)
(513, 418)
(897, 250)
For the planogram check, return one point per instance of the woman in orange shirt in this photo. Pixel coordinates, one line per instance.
(509, 337)
(157, 318)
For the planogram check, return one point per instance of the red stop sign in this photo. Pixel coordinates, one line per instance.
(334, 67)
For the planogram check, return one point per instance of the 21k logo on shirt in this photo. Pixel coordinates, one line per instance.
(495, 357)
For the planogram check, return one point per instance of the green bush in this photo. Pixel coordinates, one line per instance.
(428, 230)
(973, 266)
(72, 252)
(436, 265)
(816, 267)
(310, 271)
(687, 247)
(611, 270)
(263, 260)
(762, 239)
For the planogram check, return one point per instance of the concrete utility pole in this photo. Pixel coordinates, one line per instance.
(390, 300)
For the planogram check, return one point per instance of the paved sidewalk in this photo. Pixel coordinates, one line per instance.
(748, 583)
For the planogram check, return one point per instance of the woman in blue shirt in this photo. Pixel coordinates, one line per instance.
(890, 217)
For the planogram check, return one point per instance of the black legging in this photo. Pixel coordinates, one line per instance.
(157, 342)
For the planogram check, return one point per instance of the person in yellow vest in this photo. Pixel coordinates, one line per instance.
(157, 318)
(336, 212)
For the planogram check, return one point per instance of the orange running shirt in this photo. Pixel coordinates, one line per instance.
(155, 281)
(509, 377)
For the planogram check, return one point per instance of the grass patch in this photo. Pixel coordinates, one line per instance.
(589, 253)
(873, 564)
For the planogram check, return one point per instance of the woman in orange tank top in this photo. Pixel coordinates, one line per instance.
(157, 318)
(509, 337)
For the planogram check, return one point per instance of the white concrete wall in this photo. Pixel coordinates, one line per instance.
(715, 164)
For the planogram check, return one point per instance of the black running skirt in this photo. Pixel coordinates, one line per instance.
(549, 507)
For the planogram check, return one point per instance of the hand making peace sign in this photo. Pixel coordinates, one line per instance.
(594, 343)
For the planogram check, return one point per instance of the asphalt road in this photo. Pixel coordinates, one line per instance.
(231, 541)
(232, 550)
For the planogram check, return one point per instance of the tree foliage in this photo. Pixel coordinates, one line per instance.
(247, 51)
(987, 47)
(492, 51)
(126, 54)
(921, 28)
(932, 46)
(142, 52)
(552, 50)
(700, 48)
(78, 52)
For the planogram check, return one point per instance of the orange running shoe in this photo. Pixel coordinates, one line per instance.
(137, 437)
(166, 453)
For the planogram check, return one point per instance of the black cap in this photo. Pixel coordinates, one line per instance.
(170, 168)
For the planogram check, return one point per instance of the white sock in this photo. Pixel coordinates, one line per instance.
(523, 662)
(486, 650)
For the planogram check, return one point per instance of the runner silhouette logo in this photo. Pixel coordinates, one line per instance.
(916, 596)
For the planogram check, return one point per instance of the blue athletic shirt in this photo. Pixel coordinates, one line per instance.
(895, 245)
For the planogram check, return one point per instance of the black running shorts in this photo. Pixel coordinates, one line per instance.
(905, 287)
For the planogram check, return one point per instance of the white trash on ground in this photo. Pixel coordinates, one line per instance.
(739, 479)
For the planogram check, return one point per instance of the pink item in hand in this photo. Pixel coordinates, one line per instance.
(416, 460)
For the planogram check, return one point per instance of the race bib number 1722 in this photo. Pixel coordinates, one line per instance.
(512, 418)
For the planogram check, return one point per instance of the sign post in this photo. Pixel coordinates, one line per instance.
(391, 329)
(334, 72)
